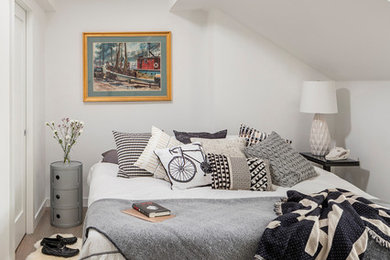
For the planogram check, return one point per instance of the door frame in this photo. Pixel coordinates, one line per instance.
(7, 216)
(27, 6)
(18, 124)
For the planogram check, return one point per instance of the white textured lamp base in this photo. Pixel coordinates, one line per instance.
(319, 136)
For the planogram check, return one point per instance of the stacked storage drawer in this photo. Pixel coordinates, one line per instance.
(66, 189)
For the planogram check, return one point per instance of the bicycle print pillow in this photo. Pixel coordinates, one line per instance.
(185, 165)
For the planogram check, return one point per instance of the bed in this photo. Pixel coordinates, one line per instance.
(104, 184)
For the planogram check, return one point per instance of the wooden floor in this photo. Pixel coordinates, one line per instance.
(44, 229)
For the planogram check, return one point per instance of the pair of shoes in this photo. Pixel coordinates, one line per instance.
(59, 250)
(57, 246)
(58, 239)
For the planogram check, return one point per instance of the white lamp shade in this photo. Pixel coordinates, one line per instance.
(319, 97)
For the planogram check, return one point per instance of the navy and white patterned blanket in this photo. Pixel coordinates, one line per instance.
(332, 224)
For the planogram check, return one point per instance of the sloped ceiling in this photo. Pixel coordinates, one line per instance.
(47, 5)
(344, 39)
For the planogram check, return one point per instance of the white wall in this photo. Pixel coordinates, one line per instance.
(256, 82)
(222, 75)
(362, 125)
(5, 180)
(64, 79)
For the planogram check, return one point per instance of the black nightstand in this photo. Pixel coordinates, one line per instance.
(326, 165)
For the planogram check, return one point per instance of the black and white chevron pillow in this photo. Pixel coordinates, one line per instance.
(129, 147)
(260, 174)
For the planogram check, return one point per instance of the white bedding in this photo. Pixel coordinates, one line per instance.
(104, 184)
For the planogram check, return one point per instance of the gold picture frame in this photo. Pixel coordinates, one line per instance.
(127, 66)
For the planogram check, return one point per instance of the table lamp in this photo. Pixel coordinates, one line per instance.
(319, 98)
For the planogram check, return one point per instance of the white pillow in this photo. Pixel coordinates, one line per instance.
(183, 165)
(148, 160)
(230, 146)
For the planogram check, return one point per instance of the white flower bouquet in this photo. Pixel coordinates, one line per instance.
(66, 134)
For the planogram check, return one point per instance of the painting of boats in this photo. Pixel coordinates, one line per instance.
(136, 67)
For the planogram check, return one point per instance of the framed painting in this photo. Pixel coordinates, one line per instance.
(127, 66)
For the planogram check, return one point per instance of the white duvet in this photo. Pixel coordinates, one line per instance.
(104, 184)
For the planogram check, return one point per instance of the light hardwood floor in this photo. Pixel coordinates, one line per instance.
(44, 229)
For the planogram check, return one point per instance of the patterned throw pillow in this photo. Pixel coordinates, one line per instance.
(129, 147)
(231, 146)
(184, 137)
(237, 173)
(185, 165)
(148, 160)
(220, 171)
(260, 174)
(288, 167)
(254, 136)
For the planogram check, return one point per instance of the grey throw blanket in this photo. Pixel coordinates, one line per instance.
(202, 228)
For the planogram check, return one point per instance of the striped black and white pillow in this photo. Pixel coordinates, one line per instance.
(129, 147)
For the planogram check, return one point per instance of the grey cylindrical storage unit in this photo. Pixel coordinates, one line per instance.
(66, 194)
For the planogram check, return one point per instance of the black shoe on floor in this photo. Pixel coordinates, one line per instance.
(59, 250)
(67, 240)
(59, 239)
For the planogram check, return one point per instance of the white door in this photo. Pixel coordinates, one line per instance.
(18, 123)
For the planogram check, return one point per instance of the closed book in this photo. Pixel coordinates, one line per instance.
(151, 209)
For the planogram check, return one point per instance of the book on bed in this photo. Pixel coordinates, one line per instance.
(151, 209)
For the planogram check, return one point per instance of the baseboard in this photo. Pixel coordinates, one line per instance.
(85, 202)
(39, 214)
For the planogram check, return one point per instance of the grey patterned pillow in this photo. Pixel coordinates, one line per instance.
(288, 167)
